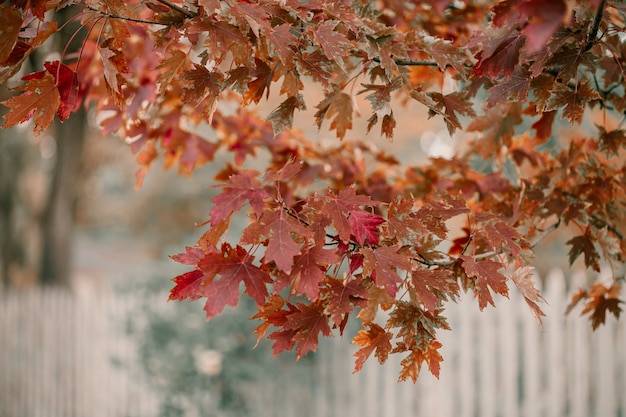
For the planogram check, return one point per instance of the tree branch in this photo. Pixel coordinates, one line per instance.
(490, 254)
(595, 26)
(130, 19)
(179, 9)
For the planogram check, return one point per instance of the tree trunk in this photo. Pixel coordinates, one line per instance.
(58, 218)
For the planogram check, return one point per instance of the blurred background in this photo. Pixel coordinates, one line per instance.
(86, 329)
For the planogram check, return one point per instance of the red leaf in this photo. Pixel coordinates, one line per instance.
(309, 270)
(233, 266)
(433, 286)
(500, 57)
(302, 327)
(381, 264)
(544, 18)
(189, 285)
(277, 227)
(365, 226)
(239, 189)
(486, 276)
(67, 83)
(343, 294)
(338, 207)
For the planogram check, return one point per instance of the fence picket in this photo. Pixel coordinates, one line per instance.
(56, 351)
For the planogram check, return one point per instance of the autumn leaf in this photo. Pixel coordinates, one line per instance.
(239, 189)
(601, 299)
(487, 279)
(501, 57)
(234, 266)
(411, 364)
(583, 244)
(573, 101)
(382, 264)
(337, 106)
(302, 328)
(282, 116)
(40, 101)
(310, 269)
(343, 295)
(279, 229)
(453, 104)
(334, 44)
(523, 279)
(377, 340)
(10, 24)
(339, 207)
(364, 226)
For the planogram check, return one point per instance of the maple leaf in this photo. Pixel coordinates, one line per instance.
(278, 228)
(338, 207)
(282, 116)
(583, 244)
(453, 103)
(261, 84)
(67, 84)
(343, 294)
(381, 264)
(302, 327)
(40, 101)
(611, 142)
(239, 189)
(523, 279)
(309, 270)
(486, 276)
(401, 219)
(364, 226)
(600, 299)
(10, 24)
(515, 88)
(287, 172)
(433, 286)
(337, 106)
(189, 285)
(234, 265)
(544, 18)
(282, 38)
(334, 44)
(497, 127)
(543, 126)
(411, 364)
(375, 339)
(115, 66)
(172, 66)
(574, 100)
(501, 56)
(501, 235)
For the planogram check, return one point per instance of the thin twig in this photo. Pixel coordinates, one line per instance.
(179, 9)
(130, 19)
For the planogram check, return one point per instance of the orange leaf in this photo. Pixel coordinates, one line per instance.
(40, 101)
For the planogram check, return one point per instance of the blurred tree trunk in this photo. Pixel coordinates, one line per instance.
(58, 217)
(57, 222)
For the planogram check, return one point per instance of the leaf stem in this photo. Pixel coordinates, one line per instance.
(128, 18)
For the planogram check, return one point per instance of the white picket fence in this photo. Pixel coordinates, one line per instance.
(66, 355)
